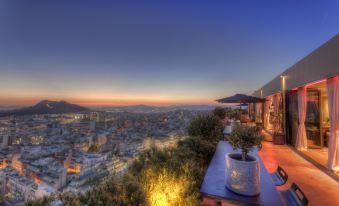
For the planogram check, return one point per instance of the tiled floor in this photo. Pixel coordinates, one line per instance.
(319, 188)
(319, 155)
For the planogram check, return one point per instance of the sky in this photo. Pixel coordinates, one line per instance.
(153, 52)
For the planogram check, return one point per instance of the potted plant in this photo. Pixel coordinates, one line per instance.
(278, 136)
(242, 169)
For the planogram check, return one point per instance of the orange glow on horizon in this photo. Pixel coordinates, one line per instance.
(108, 101)
(128, 102)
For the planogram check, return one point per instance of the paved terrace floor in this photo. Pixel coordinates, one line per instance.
(319, 188)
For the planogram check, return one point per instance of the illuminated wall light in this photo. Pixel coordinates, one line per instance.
(283, 82)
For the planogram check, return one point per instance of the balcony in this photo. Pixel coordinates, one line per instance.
(319, 188)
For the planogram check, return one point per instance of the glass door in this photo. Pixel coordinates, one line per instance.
(293, 117)
(312, 121)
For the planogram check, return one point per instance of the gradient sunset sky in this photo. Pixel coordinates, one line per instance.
(153, 52)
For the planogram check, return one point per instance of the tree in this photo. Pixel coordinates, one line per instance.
(219, 112)
(208, 127)
(233, 113)
(245, 138)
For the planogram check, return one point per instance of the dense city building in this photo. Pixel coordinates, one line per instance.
(47, 154)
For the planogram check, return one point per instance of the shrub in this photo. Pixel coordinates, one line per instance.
(234, 113)
(219, 112)
(208, 127)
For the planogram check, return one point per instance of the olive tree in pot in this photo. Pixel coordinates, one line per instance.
(242, 169)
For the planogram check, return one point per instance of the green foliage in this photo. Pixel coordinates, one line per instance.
(233, 113)
(182, 167)
(207, 127)
(245, 138)
(198, 149)
(277, 119)
(219, 112)
(69, 199)
(39, 202)
(114, 192)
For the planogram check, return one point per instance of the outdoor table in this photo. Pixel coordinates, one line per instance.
(214, 184)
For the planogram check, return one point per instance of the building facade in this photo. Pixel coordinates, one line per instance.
(302, 103)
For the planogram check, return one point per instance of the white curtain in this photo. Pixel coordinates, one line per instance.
(258, 108)
(333, 108)
(301, 141)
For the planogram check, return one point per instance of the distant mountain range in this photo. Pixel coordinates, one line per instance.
(62, 107)
(148, 109)
(46, 107)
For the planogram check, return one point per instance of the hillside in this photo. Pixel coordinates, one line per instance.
(46, 107)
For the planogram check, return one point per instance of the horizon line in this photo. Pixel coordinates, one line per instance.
(115, 104)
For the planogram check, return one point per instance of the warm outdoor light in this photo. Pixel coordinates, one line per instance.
(164, 188)
(283, 82)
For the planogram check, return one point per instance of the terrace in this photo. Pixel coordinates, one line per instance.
(319, 188)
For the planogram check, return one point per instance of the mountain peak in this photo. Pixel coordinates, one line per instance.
(47, 107)
(46, 101)
(43, 102)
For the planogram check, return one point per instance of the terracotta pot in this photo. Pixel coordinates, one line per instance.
(278, 139)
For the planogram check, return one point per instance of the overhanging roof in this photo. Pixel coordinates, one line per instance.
(322, 63)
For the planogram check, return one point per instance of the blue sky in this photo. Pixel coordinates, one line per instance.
(153, 52)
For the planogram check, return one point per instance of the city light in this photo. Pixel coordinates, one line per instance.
(75, 169)
(3, 164)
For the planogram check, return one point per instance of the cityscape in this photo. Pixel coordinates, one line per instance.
(46, 153)
(169, 103)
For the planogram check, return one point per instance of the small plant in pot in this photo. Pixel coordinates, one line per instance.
(242, 169)
(278, 136)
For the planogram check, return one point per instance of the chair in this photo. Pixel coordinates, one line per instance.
(279, 177)
(295, 196)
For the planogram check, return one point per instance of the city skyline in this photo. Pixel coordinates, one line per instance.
(154, 53)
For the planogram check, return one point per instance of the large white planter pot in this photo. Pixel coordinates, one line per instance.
(242, 177)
